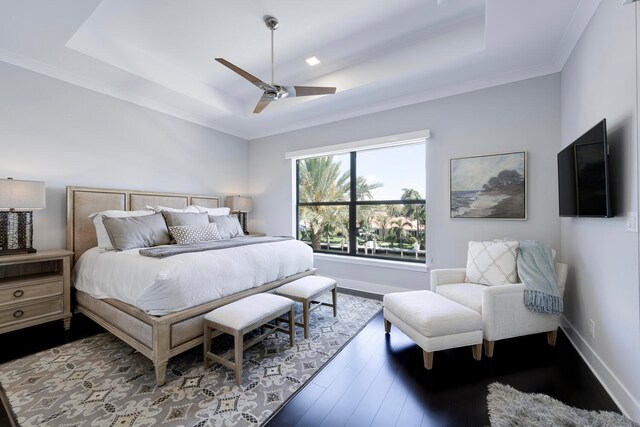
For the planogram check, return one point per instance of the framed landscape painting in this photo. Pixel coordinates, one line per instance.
(489, 186)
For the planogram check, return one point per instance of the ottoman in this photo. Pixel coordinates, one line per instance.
(433, 322)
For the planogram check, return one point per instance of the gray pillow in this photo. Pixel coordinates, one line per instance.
(136, 231)
(185, 218)
(228, 226)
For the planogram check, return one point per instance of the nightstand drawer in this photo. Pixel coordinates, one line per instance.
(20, 313)
(29, 290)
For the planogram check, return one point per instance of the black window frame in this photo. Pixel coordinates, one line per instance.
(353, 204)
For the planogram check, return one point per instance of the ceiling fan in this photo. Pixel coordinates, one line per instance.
(273, 92)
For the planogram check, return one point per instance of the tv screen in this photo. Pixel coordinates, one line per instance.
(583, 175)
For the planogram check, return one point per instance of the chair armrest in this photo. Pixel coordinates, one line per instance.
(504, 314)
(561, 275)
(445, 276)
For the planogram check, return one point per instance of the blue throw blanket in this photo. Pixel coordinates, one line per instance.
(536, 271)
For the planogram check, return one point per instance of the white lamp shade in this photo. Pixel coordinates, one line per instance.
(238, 203)
(21, 195)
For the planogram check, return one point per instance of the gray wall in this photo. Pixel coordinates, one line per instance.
(64, 135)
(599, 80)
(513, 117)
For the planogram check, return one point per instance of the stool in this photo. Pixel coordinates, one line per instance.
(240, 317)
(306, 290)
(433, 322)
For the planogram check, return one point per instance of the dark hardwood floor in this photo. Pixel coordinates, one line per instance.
(379, 380)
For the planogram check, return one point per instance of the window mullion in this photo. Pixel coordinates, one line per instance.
(298, 236)
(353, 242)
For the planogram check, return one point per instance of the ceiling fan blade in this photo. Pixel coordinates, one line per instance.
(253, 79)
(262, 104)
(312, 90)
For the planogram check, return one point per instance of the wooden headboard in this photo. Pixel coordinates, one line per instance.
(83, 201)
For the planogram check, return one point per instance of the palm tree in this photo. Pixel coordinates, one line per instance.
(416, 211)
(398, 232)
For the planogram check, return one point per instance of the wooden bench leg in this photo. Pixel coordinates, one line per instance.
(387, 326)
(238, 350)
(305, 318)
(334, 294)
(207, 345)
(551, 337)
(476, 350)
(292, 332)
(488, 348)
(427, 356)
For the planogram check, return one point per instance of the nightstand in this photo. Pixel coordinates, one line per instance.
(34, 289)
(254, 234)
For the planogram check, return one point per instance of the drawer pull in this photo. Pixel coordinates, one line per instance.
(18, 293)
(18, 313)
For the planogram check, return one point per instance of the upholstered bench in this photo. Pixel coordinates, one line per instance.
(243, 316)
(433, 322)
(306, 290)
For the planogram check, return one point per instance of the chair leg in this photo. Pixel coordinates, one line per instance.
(488, 348)
(551, 337)
(334, 294)
(238, 343)
(305, 318)
(476, 350)
(387, 326)
(292, 332)
(427, 357)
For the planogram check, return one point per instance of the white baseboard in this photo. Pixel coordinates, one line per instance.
(372, 288)
(618, 392)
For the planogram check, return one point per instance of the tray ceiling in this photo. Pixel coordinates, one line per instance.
(380, 55)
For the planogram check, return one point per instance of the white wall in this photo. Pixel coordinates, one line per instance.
(64, 135)
(599, 80)
(513, 117)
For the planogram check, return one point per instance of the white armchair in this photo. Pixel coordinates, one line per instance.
(502, 308)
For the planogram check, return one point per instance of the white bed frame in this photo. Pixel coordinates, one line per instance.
(157, 337)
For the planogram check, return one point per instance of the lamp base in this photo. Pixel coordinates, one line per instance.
(16, 232)
(18, 251)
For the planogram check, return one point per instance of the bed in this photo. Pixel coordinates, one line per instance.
(158, 337)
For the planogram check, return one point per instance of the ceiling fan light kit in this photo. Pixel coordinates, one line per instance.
(273, 92)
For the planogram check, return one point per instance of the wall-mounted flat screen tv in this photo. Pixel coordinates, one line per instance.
(583, 175)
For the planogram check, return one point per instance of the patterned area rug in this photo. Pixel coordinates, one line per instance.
(510, 407)
(101, 381)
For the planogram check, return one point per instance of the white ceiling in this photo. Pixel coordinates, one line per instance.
(379, 54)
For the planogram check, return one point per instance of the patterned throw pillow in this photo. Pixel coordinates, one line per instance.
(492, 263)
(185, 234)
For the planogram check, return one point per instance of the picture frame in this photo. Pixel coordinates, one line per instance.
(489, 186)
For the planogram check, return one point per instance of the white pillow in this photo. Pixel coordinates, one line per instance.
(492, 263)
(190, 209)
(185, 234)
(104, 242)
(214, 211)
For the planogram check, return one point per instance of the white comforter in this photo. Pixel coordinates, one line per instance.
(162, 286)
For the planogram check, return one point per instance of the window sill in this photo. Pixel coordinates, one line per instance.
(382, 263)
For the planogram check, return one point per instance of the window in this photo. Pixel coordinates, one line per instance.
(365, 203)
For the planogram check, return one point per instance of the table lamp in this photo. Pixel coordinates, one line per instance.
(240, 205)
(18, 200)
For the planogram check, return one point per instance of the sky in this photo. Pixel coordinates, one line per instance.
(396, 168)
(471, 173)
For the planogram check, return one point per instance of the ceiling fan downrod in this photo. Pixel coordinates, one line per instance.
(272, 24)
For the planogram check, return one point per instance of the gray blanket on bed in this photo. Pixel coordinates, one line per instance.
(537, 273)
(170, 250)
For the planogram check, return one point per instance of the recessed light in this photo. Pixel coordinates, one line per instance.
(312, 60)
